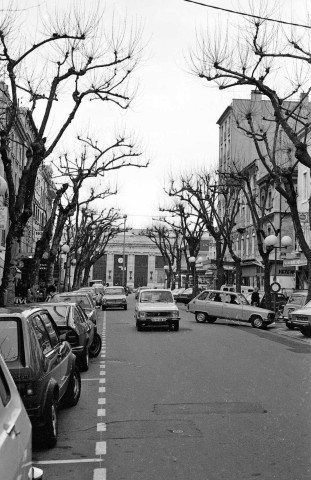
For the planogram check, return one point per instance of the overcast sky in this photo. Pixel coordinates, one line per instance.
(174, 114)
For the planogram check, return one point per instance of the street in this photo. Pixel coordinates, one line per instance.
(210, 402)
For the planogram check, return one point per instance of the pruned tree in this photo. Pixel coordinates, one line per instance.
(94, 161)
(92, 234)
(262, 58)
(75, 59)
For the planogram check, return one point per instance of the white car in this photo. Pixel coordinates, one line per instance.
(114, 297)
(156, 307)
(15, 432)
(212, 304)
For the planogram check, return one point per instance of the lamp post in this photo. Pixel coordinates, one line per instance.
(192, 264)
(123, 264)
(166, 269)
(63, 249)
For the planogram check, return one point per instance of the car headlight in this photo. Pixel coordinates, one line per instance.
(141, 315)
(124, 300)
(174, 314)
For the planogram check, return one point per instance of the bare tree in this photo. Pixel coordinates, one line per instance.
(75, 59)
(262, 58)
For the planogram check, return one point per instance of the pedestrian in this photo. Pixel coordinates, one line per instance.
(51, 291)
(255, 298)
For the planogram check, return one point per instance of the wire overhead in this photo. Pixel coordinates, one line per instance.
(248, 14)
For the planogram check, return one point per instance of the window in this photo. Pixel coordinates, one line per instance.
(9, 340)
(42, 335)
(305, 189)
(5, 393)
(50, 329)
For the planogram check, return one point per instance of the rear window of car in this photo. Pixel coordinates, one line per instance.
(297, 300)
(9, 344)
(59, 314)
(114, 291)
(82, 300)
(156, 297)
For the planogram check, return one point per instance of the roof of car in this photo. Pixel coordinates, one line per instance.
(19, 309)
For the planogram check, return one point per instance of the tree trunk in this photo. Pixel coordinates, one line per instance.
(7, 289)
(86, 275)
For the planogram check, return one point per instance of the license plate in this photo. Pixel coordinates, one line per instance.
(157, 319)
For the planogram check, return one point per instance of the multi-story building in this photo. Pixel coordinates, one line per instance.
(144, 264)
(237, 153)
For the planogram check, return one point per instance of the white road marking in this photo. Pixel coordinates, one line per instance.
(101, 448)
(99, 474)
(101, 401)
(102, 380)
(76, 460)
(101, 389)
(101, 427)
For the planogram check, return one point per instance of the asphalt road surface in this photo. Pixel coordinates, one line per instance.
(211, 402)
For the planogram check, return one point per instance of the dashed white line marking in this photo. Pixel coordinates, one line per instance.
(77, 460)
(102, 372)
(101, 448)
(101, 401)
(102, 380)
(101, 412)
(101, 427)
(102, 390)
(99, 474)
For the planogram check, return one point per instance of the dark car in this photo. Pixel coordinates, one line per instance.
(87, 304)
(41, 363)
(185, 296)
(71, 318)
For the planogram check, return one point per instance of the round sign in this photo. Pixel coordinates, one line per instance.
(275, 287)
(120, 260)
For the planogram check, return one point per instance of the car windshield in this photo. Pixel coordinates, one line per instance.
(59, 313)
(82, 300)
(156, 296)
(297, 300)
(9, 340)
(114, 291)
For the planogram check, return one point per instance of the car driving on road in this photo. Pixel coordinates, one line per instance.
(114, 297)
(156, 307)
(212, 304)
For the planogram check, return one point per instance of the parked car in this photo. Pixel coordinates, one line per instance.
(71, 318)
(301, 318)
(94, 292)
(277, 299)
(114, 297)
(156, 307)
(185, 296)
(296, 301)
(15, 432)
(42, 364)
(212, 304)
(177, 292)
(88, 305)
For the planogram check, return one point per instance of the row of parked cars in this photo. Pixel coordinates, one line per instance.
(43, 348)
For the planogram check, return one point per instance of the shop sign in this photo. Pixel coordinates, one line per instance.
(295, 262)
(3, 217)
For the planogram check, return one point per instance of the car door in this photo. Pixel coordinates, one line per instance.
(232, 307)
(15, 431)
(61, 349)
(198, 304)
(52, 361)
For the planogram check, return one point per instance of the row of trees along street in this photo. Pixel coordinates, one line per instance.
(261, 58)
(78, 57)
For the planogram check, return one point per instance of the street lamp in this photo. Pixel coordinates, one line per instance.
(63, 249)
(166, 269)
(192, 264)
(123, 265)
(271, 241)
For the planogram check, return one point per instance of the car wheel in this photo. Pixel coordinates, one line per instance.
(96, 346)
(211, 319)
(289, 325)
(138, 327)
(200, 317)
(50, 420)
(73, 391)
(84, 361)
(257, 322)
(125, 307)
(305, 331)
(176, 326)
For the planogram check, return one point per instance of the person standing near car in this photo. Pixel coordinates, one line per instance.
(255, 298)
